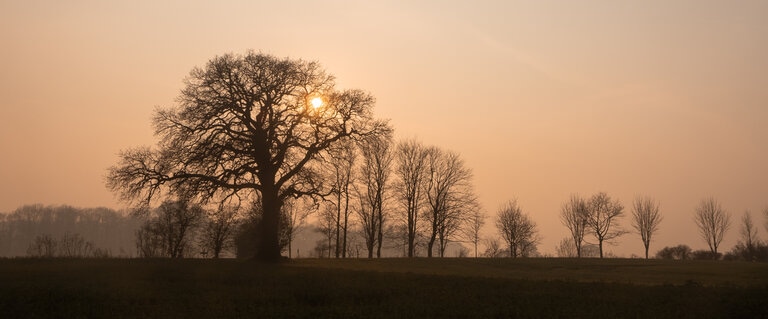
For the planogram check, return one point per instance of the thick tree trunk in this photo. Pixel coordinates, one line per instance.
(269, 241)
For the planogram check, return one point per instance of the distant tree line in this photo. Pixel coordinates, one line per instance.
(66, 231)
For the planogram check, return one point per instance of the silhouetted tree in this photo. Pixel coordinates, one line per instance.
(174, 222)
(574, 214)
(326, 226)
(43, 246)
(246, 124)
(493, 249)
(473, 226)
(411, 171)
(566, 248)
(749, 238)
(449, 196)
(765, 214)
(150, 241)
(375, 171)
(713, 221)
(645, 219)
(295, 214)
(342, 159)
(74, 246)
(517, 229)
(217, 233)
(603, 219)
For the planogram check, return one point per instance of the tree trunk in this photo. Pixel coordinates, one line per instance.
(646, 251)
(269, 241)
(381, 232)
(601, 247)
(338, 227)
(411, 239)
(430, 244)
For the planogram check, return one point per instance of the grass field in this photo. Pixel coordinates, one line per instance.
(386, 288)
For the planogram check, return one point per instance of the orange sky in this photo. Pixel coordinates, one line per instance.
(541, 98)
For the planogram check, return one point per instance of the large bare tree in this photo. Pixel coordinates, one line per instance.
(375, 171)
(449, 197)
(713, 221)
(604, 215)
(645, 219)
(411, 171)
(245, 124)
(517, 229)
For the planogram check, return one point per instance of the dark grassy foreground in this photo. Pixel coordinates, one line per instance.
(389, 288)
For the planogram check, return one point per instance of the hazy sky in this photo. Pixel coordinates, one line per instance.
(541, 98)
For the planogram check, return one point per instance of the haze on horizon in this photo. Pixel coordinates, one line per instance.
(541, 98)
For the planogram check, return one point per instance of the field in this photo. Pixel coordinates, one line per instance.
(386, 288)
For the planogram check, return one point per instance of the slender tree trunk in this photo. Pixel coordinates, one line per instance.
(600, 241)
(338, 225)
(380, 217)
(646, 251)
(346, 222)
(411, 233)
(344, 240)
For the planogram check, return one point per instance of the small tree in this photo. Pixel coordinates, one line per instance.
(473, 226)
(150, 242)
(574, 215)
(603, 219)
(765, 214)
(713, 221)
(43, 246)
(493, 248)
(218, 230)
(74, 246)
(749, 238)
(566, 248)
(517, 229)
(645, 219)
(411, 172)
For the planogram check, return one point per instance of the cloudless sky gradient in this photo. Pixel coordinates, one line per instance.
(541, 98)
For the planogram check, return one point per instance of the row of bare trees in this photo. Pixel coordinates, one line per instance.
(599, 217)
(406, 192)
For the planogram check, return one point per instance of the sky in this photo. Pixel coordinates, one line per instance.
(543, 99)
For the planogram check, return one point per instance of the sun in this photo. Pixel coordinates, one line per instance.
(316, 102)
